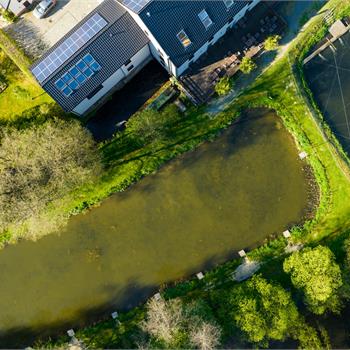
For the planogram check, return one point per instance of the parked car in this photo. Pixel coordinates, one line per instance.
(43, 8)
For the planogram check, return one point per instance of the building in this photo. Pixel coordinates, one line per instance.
(17, 7)
(180, 31)
(106, 49)
(98, 56)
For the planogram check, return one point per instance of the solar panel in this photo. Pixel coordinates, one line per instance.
(77, 75)
(135, 5)
(69, 47)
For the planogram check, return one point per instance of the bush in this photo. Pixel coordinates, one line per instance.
(224, 86)
(271, 43)
(8, 16)
(21, 93)
(247, 65)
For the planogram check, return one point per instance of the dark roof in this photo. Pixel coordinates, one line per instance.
(135, 6)
(121, 39)
(167, 18)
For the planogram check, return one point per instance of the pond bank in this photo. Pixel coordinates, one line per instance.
(195, 213)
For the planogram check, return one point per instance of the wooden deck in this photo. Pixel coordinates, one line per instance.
(223, 58)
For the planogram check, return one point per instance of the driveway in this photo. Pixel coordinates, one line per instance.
(35, 36)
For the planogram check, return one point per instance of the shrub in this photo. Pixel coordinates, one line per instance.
(21, 93)
(8, 16)
(271, 43)
(224, 86)
(247, 65)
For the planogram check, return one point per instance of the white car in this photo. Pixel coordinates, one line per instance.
(43, 8)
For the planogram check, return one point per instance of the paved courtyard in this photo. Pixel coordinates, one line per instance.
(36, 35)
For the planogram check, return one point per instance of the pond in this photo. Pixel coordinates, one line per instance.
(328, 76)
(196, 212)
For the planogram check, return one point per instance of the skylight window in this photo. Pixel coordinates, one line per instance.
(77, 75)
(182, 36)
(228, 3)
(204, 17)
(69, 47)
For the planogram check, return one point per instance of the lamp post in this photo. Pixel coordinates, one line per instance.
(35, 97)
(8, 5)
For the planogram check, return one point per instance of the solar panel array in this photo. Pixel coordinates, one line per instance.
(135, 5)
(77, 75)
(69, 47)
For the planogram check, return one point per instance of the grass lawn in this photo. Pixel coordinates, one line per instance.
(22, 92)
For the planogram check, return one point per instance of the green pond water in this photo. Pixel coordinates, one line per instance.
(196, 212)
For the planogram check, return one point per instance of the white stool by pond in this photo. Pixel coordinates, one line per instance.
(114, 315)
(200, 275)
(286, 234)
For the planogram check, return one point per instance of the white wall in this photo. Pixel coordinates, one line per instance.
(122, 74)
(154, 45)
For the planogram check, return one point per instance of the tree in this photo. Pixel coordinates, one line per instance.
(164, 320)
(224, 86)
(247, 65)
(316, 273)
(262, 310)
(174, 324)
(42, 164)
(150, 124)
(205, 336)
(271, 42)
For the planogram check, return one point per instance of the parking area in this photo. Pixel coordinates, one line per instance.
(36, 35)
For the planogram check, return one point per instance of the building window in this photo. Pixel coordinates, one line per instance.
(130, 68)
(94, 92)
(182, 36)
(205, 19)
(228, 3)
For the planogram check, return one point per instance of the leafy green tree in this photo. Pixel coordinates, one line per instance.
(307, 336)
(247, 65)
(262, 310)
(316, 273)
(224, 86)
(42, 164)
(271, 42)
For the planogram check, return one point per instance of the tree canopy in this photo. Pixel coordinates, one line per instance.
(41, 164)
(224, 86)
(262, 310)
(315, 272)
(173, 324)
(271, 42)
(151, 125)
(247, 65)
